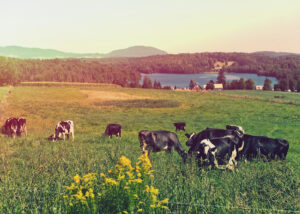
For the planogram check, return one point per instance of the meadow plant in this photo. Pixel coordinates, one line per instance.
(123, 189)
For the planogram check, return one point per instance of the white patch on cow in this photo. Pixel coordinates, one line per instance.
(192, 135)
(242, 147)
(166, 147)
(232, 160)
(208, 143)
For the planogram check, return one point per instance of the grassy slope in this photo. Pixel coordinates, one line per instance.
(3, 91)
(276, 96)
(34, 171)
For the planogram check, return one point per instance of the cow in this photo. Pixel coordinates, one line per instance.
(261, 146)
(214, 150)
(64, 128)
(11, 127)
(21, 126)
(113, 129)
(156, 141)
(210, 133)
(179, 126)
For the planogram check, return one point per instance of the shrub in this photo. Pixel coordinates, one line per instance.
(124, 189)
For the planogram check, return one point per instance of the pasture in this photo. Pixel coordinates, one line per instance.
(34, 171)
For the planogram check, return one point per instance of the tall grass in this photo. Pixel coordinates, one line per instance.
(34, 171)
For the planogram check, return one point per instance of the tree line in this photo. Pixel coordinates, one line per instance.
(126, 71)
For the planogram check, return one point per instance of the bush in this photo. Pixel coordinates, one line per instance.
(123, 189)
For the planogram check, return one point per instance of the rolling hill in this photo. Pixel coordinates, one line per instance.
(39, 53)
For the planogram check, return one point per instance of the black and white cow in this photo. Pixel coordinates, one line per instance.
(64, 128)
(214, 150)
(113, 129)
(11, 127)
(264, 147)
(156, 141)
(211, 133)
(21, 126)
(179, 126)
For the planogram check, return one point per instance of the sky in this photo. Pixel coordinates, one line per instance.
(176, 26)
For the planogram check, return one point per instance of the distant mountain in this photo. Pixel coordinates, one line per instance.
(38, 53)
(276, 54)
(136, 51)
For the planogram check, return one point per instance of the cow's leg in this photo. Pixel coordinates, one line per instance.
(64, 136)
(25, 131)
(120, 133)
(67, 136)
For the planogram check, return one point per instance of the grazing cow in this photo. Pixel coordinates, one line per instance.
(215, 150)
(21, 126)
(11, 127)
(156, 141)
(211, 133)
(64, 128)
(179, 126)
(113, 129)
(264, 147)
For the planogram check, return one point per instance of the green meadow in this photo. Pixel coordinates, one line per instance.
(35, 171)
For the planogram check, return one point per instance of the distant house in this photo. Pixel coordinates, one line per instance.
(218, 86)
(259, 87)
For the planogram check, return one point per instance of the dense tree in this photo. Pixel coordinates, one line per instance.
(241, 84)
(249, 84)
(267, 85)
(157, 85)
(221, 78)
(210, 85)
(192, 84)
(147, 83)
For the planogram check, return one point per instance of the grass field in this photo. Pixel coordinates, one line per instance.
(275, 96)
(34, 171)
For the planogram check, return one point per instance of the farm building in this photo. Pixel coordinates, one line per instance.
(259, 87)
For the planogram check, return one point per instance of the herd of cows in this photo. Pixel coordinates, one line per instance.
(220, 148)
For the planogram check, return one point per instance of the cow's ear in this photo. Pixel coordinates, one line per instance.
(187, 135)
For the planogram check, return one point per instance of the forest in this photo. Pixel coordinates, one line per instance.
(126, 71)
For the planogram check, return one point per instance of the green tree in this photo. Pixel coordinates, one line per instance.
(147, 83)
(241, 84)
(210, 85)
(267, 85)
(250, 85)
(192, 84)
(221, 78)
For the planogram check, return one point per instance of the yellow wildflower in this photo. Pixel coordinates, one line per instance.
(135, 195)
(76, 178)
(165, 201)
(102, 175)
(125, 212)
(71, 204)
(140, 210)
(152, 205)
(139, 174)
(165, 207)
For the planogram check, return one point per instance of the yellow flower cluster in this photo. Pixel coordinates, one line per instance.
(123, 179)
(81, 189)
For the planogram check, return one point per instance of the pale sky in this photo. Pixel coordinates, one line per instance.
(174, 26)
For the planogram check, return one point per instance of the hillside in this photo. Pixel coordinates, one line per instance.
(39, 53)
(135, 51)
(276, 54)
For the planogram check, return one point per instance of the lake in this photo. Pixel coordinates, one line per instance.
(183, 80)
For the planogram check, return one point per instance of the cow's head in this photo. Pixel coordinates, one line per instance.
(235, 128)
(191, 138)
